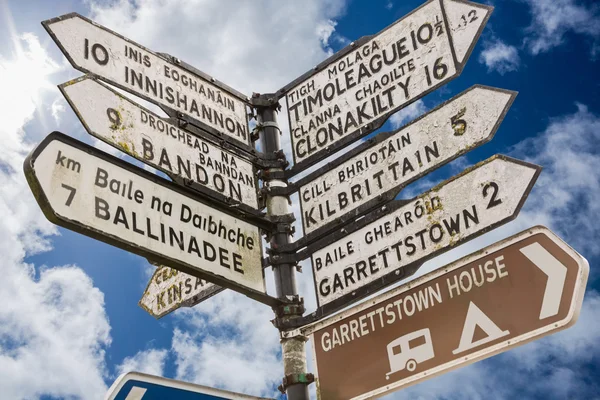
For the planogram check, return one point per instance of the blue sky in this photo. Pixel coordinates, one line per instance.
(69, 320)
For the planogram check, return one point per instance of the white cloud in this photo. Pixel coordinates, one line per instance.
(53, 332)
(252, 46)
(150, 361)
(53, 327)
(407, 114)
(567, 191)
(553, 19)
(228, 342)
(58, 108)
(500, 57)
(325, 30)
(25, 77)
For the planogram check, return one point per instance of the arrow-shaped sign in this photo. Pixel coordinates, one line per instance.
(505, 295)
(92, 48)
(354, 92)
(376, 171)
(98, 195)
(392, 242)
(142, 134)
(169, 289)
(140, 386)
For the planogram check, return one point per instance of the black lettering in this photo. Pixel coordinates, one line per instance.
(102, 209)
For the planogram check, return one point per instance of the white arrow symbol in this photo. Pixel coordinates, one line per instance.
(136, 393)
(556, 273)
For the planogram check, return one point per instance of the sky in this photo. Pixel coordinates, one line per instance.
(69, 320)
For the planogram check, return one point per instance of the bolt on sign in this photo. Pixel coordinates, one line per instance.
(169, 289)
(383, 249)
(92, 48)
(520, 289)
(376, 171)
(355, 91)
(98, 195)
(140, 386)
(142, 134)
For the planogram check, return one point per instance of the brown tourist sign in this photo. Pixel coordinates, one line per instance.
(515, 291)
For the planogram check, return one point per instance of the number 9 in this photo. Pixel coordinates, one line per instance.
(115, 117)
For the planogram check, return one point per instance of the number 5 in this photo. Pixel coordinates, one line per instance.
(458, 124)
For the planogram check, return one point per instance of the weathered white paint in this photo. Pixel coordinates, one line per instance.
(413, 151)
(143, 135)
(465, 19)
(394, 240)
(93, 48)
(169, 289)
(359, 88)
(134, 216)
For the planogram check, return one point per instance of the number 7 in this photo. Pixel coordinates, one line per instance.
(72, 191)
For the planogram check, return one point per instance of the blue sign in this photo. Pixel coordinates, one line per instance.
(138, 386)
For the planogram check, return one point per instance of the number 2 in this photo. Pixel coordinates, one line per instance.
(494, 201)
(472, 14)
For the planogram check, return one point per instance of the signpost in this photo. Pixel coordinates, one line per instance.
(93, 193)
(376, 171)
(139, 386)
(170, 289)
(393, 242)
(520, 289)
(360, 240)
(142, 134)
(354, 92)
(92, 48)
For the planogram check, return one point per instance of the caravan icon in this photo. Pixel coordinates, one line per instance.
(409, 350)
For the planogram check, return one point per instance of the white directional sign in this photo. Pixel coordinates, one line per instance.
(505, 295)
(139, 386)
(98, 195)
(455, 211)
(355, 91)
(93, 48)
(170, 289)
(142, 134)
(399, 158)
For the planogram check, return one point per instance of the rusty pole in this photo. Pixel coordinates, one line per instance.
(296, 380)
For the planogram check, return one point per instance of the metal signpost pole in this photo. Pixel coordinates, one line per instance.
(296, 380)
